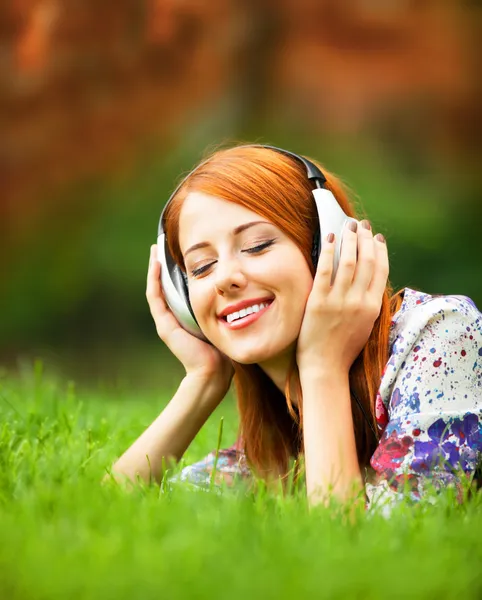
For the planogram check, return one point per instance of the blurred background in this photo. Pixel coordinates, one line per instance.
(106, 105)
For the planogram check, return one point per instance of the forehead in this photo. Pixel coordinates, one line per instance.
(202, 217)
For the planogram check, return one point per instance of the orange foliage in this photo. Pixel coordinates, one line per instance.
(87, 82)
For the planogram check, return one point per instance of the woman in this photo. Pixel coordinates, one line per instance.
(329, 366)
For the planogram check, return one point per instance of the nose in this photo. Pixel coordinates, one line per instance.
(229, 276)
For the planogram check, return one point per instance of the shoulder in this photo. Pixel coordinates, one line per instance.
(435, 350)
(420, 311)
(425, 322)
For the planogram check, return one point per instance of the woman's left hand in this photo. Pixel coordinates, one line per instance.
(339, 318)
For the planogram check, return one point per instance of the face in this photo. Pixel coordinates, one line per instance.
(248, 282)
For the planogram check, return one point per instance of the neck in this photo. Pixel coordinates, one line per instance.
(277, 370)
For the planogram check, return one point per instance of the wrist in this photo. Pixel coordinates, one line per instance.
(310, 362)
(209, 389)
(320, 386)
(322, 373)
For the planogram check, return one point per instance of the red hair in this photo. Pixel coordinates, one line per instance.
(276, 187)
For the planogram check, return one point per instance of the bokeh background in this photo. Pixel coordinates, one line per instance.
(106, 105)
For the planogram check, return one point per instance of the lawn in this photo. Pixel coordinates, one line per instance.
(64, 535)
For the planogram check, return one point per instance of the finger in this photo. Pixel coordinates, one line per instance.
(163, 318)
(153, 283)
(382, 267)
(348, 259)
(366, 259)
(324, 268)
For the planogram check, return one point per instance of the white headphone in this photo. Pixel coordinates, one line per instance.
(331, 219)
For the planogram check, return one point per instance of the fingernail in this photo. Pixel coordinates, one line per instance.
(353, 226)
(380, 238)
(366, 224)
(330, 237)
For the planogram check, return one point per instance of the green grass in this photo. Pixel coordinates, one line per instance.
(64, 535)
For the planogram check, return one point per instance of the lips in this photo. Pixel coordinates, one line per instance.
(247, 320)
(243, 304)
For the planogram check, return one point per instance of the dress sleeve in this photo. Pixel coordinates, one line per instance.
(231, 469)
(434, 429)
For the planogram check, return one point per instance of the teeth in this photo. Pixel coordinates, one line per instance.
(246, 311)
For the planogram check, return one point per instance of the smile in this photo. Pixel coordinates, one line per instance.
(243, 318)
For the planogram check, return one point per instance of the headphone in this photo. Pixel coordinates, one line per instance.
(331, 219)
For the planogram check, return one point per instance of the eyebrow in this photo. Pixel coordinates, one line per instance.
(236, 231)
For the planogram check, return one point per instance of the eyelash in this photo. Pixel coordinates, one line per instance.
(253, 250)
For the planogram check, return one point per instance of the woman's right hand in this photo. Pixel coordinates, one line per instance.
(200, 359)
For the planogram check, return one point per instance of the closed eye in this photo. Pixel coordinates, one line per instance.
(201, 270)
(252, 250)
(259, 247)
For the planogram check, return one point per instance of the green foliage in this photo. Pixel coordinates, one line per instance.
(79, 277)
(64, 535)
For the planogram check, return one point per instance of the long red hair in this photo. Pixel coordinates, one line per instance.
(276, 187)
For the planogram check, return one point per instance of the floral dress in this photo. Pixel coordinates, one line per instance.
(428, 405)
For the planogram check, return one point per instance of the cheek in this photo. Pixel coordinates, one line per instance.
(201, 301)
(292, 286)
(296, 283)
(298, 289)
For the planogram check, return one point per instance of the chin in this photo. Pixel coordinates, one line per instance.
(248, 354)
(255, 354)
(247, 358)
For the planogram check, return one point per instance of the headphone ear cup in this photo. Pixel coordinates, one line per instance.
(316, 247)
(180, 279)
(186, 287)
(332, 219)
(176, 291)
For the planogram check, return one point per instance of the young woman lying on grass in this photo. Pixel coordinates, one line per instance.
(241, 227)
